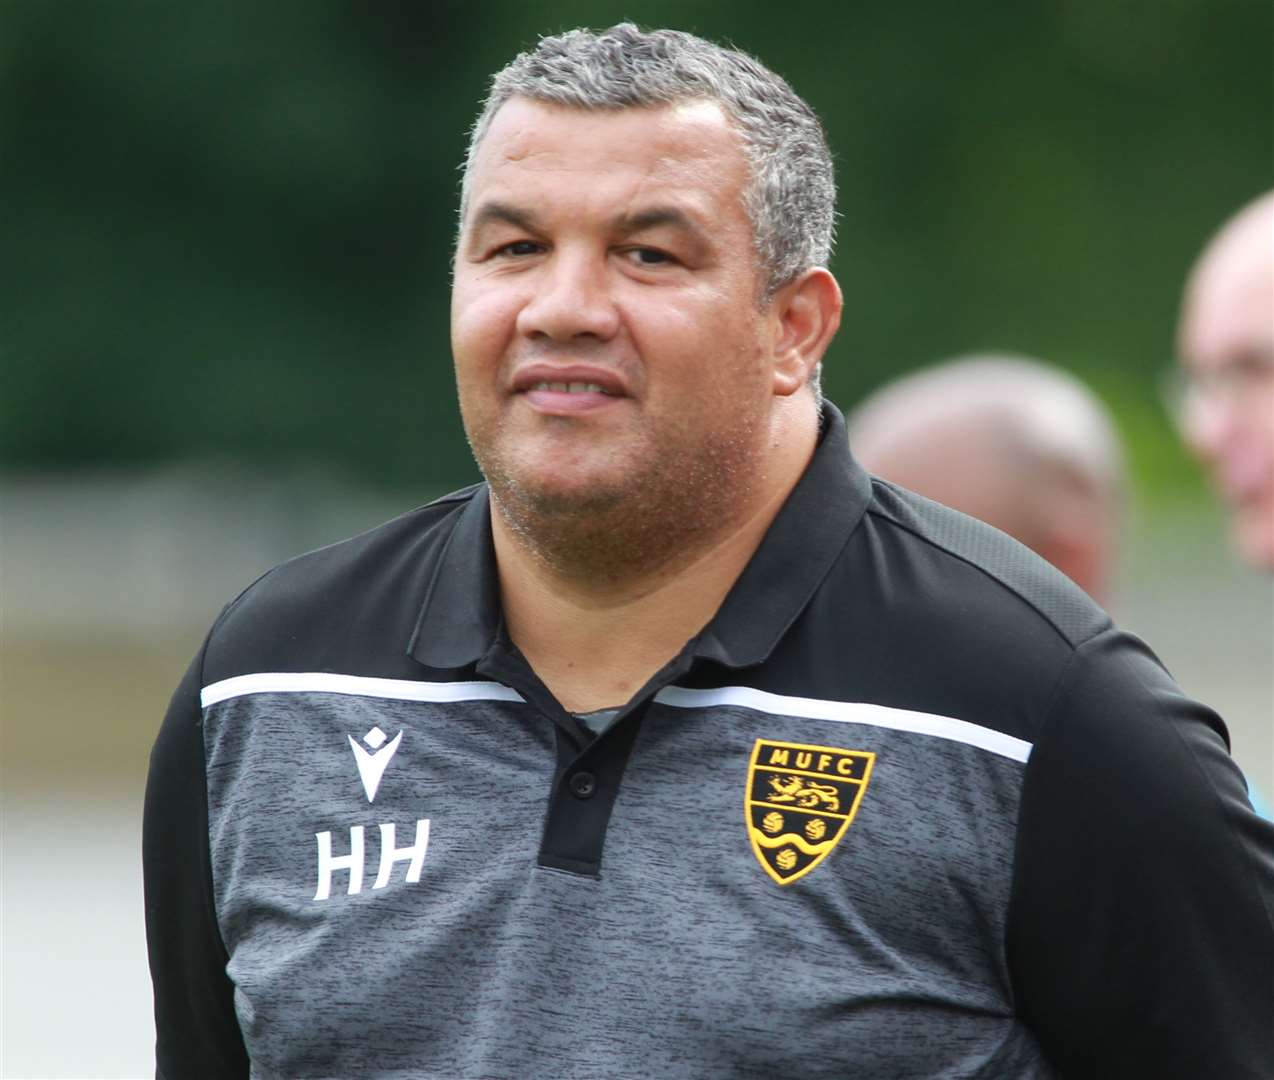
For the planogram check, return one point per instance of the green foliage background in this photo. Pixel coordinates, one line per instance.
(227, 226)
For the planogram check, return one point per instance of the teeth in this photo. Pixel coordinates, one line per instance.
(570, 388)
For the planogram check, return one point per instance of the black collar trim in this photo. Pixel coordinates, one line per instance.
(795, 556)
(460, 617)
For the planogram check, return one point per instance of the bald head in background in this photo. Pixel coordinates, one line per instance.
(1226, 344)
(1014, 442)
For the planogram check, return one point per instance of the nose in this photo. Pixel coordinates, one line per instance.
(570, 300)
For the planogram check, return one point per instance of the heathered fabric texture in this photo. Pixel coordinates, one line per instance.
(682, 956)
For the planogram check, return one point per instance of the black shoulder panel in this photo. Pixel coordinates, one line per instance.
(929, 610)
(349, 607)
(1058, 599)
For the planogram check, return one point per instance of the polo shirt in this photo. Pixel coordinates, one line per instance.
(908, 806)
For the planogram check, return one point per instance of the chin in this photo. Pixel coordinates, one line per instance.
(559, 494)
(1254, 535)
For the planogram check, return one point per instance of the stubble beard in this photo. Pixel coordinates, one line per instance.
(680, 496)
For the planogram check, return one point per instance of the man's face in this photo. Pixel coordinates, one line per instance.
(1227, 349)
(608, 340)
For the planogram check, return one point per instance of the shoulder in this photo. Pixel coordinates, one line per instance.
(981, 568)
(359, 596)
(927, 609)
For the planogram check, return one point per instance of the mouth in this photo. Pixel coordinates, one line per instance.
(552, 398)
(572, 388)
(569, 390)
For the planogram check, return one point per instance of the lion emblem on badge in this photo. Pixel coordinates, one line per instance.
(790, 788)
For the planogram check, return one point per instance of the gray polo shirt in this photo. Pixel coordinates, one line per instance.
(910, 806)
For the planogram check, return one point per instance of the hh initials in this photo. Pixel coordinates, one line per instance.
(352, 863)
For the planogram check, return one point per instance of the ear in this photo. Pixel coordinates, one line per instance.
(805, 315)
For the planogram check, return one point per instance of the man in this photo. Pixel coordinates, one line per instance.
(679, 748)
(1015, 443)
(1226, 344)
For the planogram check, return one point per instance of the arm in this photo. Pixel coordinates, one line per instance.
(1141, 926)
(197, 1033)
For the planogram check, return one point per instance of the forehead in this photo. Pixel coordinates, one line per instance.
(1230, 299)
(686, 151)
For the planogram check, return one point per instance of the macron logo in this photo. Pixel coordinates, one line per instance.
(371, 766)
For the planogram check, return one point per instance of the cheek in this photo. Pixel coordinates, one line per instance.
(1251, 435)
(482, 323)
(709, 342)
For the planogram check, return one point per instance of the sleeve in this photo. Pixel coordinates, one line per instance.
(197, 1033)
(1141, 924)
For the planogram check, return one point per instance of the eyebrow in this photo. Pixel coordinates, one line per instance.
(491, 212)
(655, 217)
(699, 240)
(652, 218)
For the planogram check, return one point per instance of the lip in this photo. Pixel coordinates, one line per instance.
(528, 382)
(610, 381)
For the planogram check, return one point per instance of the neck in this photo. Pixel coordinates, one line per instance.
(598, 603)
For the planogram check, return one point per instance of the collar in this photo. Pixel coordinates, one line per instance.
(795, 556)
(460, 618)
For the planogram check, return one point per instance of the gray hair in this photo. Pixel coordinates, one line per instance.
(792, 194)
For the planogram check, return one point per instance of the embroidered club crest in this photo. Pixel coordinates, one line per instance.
(799, 803)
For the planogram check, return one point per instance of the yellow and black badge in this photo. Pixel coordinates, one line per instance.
(800, 801)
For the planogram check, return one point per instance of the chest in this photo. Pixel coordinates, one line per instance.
(756, 871)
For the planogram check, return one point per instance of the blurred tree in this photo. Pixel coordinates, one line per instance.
(227, 227)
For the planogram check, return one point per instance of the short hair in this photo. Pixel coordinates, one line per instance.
(791, 196)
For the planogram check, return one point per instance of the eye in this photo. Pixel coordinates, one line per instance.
(646, 256)
(518, 248)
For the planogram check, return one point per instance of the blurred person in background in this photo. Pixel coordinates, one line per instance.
(1011, 441)
(1014, 442)
(1226, 346)
(1225, 400)
(459, 797)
